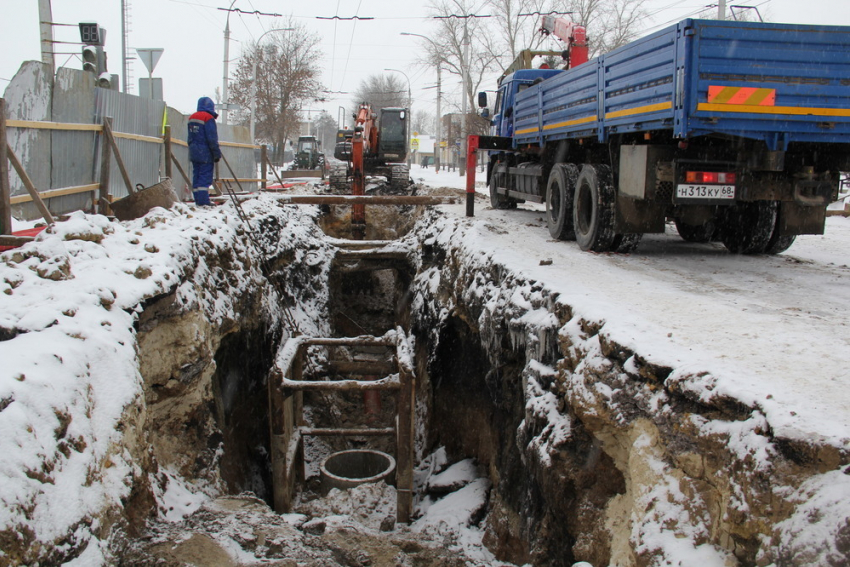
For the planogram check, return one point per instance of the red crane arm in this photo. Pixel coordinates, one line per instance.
(574, 35)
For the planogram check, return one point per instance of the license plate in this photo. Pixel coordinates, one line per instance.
(693, 191)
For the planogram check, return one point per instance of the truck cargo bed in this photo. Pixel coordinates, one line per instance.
(780, 83)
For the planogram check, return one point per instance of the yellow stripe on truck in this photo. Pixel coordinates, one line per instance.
(792, 110)
(639, 110)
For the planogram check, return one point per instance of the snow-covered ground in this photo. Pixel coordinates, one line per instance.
(771, 331)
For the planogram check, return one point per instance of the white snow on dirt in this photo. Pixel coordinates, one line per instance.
(770, 331)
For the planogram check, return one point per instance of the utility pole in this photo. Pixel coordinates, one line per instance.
(439, 118)
(463, 125)
(45, 19)
(124, 47)
(721, 9)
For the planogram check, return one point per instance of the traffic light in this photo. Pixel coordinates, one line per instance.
(94, 59)
(92, 34)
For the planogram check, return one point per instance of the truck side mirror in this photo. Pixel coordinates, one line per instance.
(482, 99)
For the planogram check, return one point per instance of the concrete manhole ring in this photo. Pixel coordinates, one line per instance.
(347, 469)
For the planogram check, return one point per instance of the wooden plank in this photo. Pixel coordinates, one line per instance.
(295, 173)
(398, 200)
(263, 160)
(5, 186)
(50, 194)
(103, 199)
(245, 179)
(9, 240)
(166, 138)
(405, 438)
(238, 145)
(180, 169)
(13, 159)
(180, 142)
(328, 432)
(137, 137)
(107, 132)
(342, 385)
(348, 341)
(43, 125)
(362, 367)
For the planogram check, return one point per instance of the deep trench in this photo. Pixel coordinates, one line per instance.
(475, 408)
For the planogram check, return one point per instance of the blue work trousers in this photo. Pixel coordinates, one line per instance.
(202, 174)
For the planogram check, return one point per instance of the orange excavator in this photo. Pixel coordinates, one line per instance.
(377, 146)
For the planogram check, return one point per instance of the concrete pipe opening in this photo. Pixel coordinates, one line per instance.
(347, 469)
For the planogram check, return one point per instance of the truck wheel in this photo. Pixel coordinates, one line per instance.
(748, 227)
(779, 244)
(593, 208)
(696, 232)
(498, 201)
(559, 201)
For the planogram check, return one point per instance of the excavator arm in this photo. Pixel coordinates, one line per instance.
(574, 35)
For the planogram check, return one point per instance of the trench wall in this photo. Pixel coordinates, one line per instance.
(595, 454)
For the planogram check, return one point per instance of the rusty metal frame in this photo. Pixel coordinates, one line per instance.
(286, 413)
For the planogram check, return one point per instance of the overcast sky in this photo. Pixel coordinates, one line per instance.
(192, 34)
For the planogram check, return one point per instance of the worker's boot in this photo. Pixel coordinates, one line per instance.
(202, 197)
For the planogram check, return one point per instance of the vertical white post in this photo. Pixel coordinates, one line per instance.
(439, 149)
(45, 18)
(721, 9)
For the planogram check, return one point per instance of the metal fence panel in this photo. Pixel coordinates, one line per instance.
(72, 157)
(29, 97)
(57, 159)
(132, 115)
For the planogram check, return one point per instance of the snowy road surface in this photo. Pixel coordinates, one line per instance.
(772, 331)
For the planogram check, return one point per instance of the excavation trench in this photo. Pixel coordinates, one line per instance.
(559, 419)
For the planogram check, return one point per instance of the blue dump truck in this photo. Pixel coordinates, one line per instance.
(737, 131)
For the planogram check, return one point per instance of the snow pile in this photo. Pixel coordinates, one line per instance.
(70, 388)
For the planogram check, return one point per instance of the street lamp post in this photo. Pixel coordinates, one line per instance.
(254, 80)
(437, 149)
(409, 102)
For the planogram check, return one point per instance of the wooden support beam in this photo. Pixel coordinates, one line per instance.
(361, 368)
(103, 197)
(342, 385)
(399, 200)
(8, 240)
(349, 341)
(328, 432)
(274, 171)
(263, 159)
(405, 439)
(166, 138)
(5, 187)
(107, 132)
(181, 170)
(13, 159)
(295, 173)
(53, 193)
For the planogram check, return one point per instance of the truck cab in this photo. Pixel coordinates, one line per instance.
(509, 87)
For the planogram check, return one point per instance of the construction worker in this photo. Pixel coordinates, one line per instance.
(204, 151)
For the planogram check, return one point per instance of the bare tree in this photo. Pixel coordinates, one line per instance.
(465, 43)
(287, 78)
(325, 128)
(381, 91)
(514, 25)
(422, 122)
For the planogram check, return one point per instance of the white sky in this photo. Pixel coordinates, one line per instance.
(192, 34)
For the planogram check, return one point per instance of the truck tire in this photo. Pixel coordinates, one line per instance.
(559, 201)
(593, 209)
(696, 232)
(747, 227)
(779, 244)
(498, 201)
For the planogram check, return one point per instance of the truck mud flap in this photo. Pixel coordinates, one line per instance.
(636, 216)
(795, 218)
